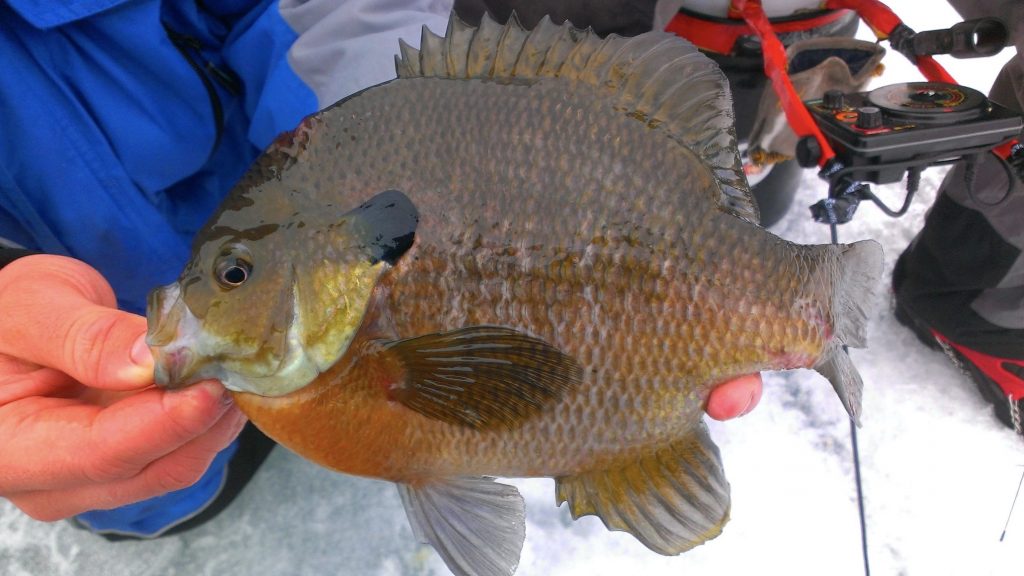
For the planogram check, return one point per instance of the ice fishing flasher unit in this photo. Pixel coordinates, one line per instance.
(895, 131)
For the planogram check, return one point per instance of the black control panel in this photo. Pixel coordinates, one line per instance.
(878, 135)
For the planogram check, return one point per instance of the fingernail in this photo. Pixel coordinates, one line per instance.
(217, 390)
(751, 402)
(140, 353)
(140, 371)
(214, 388)
(227, 399)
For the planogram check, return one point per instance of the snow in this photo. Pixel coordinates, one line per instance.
(939, 471)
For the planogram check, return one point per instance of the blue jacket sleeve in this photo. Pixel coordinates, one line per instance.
(126, 123)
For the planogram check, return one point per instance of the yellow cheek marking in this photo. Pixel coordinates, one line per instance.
(343, 293)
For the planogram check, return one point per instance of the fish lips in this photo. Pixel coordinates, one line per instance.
(176, 363)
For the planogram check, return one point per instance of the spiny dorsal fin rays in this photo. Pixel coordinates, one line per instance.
(482, 49)
(510, 46)
(657, 78)
(562, 45)
(576, 64)
(432, 57)
(407, 61)
(458, 34)
(537, 48)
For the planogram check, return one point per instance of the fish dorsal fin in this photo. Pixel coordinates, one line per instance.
(656, 78)
(671, 499)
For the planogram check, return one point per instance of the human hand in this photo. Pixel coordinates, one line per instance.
(81, 426)
(734, 398)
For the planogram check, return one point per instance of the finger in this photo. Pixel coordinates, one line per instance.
(60, 313)
(10, 366)
(177, 470)
(93, 445)
(36, 381)
(735, 397)
(161, 426)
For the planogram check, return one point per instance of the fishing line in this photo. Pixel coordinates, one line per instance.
(856, 451)
(1014, 503)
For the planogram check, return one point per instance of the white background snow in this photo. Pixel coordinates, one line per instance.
(939, 470)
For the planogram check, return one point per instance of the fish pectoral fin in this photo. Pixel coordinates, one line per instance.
(671, 499)
(481, 377)
(477, 525)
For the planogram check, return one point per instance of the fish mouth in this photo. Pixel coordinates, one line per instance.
(184, 353)
(169, 329)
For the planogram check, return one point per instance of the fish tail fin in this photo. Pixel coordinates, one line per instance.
(859, 269)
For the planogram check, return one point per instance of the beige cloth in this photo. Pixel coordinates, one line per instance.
(825, 64)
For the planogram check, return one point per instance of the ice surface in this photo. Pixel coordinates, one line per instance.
(939, 473)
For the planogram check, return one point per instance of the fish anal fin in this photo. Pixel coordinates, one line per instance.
(671, 499)
(477, 525)
(482, 377)
(835, 365)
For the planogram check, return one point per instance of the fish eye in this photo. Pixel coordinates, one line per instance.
(232, 269)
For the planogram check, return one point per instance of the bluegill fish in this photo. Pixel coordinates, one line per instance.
(534, 253)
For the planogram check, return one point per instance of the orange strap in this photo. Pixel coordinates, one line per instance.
(720, 36)
(775, 68)
(882, 21)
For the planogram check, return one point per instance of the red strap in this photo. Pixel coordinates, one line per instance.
(1005, 150)
(775, 67)
(877, 15)
(993, 367)
(720, 36)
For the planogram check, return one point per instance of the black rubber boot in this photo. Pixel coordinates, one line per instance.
(955, 285)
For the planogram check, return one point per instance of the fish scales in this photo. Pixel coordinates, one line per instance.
(605, 234)
(520, 276)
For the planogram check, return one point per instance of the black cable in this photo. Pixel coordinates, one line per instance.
(860, 498)
(856, 461)
(913, 182)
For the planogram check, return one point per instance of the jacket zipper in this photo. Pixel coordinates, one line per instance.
(191, 48)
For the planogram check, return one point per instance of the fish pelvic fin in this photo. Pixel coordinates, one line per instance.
(853, 288)
(481, 377)
(656, 78)
(671, 499)
(477, 525)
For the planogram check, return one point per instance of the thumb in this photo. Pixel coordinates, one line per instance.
(735, 398)
(61, 313)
